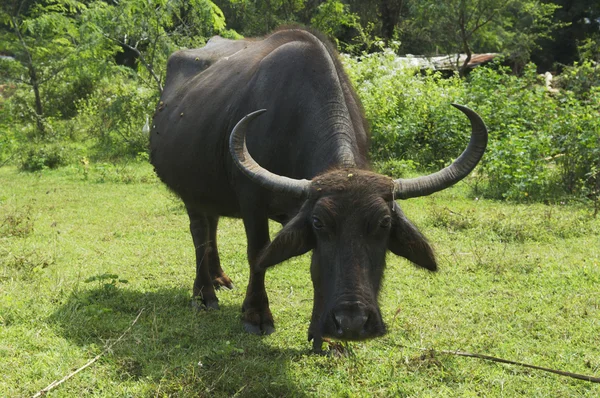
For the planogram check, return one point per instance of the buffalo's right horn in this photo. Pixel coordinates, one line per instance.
(261, 176)
(459, 169)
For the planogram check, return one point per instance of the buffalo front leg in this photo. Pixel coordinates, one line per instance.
(257, 316)
(208, 268)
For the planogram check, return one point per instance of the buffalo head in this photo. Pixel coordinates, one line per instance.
(349, 219)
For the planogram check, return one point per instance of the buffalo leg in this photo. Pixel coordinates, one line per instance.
(219, 278)
(208, 268)
(256, 313)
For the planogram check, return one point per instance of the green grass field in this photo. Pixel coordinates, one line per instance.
(84, 250)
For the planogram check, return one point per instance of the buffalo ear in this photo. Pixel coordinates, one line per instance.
(294, 239)
(406, 241)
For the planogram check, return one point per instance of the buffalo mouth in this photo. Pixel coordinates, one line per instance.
(348, 321)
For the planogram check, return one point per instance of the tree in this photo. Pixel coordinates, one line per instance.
(579, 21)
(391, 11)
(335, 20)
(43, 40)
(152, 29)
(256, 18)
(465, 26)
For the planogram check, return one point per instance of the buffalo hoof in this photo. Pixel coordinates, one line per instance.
(223, 281)
(264, 329)
(201, 305)
(317, 344)
(258, 322)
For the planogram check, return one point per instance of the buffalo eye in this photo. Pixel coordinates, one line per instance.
(385, 222)
(317, 223)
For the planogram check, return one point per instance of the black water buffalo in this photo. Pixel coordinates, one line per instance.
(308, 170)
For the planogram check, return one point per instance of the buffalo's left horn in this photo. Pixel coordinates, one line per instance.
(261, 176)
(459, 169)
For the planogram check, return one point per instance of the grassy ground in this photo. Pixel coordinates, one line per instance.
(82, 251)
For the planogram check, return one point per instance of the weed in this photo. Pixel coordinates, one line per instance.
(46, 156)
(25, 265)
(17, 221)
(443, 217)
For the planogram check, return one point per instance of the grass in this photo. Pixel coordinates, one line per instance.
(84, 249)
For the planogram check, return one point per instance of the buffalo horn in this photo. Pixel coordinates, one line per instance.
(459, 169)
(261, 176)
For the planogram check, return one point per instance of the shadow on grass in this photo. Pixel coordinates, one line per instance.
(174, 349)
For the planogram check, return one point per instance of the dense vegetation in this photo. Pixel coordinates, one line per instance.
(544, 144)
(80, 79)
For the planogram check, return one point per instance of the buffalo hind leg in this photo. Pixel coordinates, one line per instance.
(208, 268)
(257, 316)
(219, 278)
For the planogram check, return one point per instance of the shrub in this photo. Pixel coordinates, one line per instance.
(114, 116)
(44, 156)
(543, 145)
(396, 168)
(519, 112)
(410, 113)
(577, 139)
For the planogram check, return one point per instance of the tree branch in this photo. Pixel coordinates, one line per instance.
(142, 60)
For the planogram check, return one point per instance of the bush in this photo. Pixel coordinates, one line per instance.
(44, 156)
(577, 139)
(543, 145)
(114, 116)
(519, 112)
(396, 168)
(410, 113)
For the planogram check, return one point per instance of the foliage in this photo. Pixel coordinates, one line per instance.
(53, 56)
(149, 31)
(583, 77)
(257, 18)
(68, 50)
(579, 21)
(468, 26)
(406, 111)
(543, 145)
(577, 139)
(114, 116)
(82, 78)
(39, 157)
(8, 122)
(333, 18)
(516, 111)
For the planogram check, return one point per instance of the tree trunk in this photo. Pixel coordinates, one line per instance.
(390, 15)
(39, 110)
(33, 80)
(464, 36)
(463, 68)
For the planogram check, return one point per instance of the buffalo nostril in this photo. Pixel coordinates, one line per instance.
(349, 324)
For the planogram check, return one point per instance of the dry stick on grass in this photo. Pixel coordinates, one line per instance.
(106, 349)
(592, 379)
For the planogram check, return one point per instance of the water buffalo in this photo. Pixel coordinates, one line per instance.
(308, 170)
